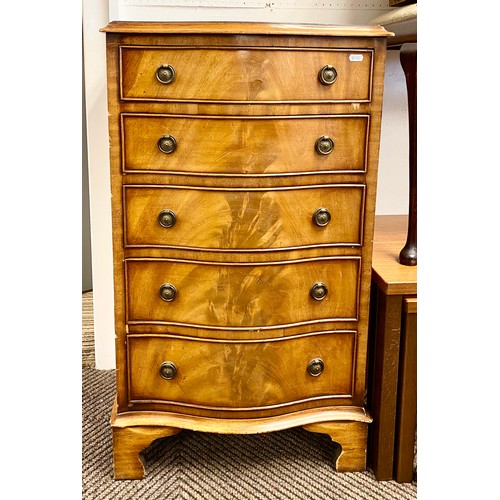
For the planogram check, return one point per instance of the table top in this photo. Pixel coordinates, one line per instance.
(389, 238)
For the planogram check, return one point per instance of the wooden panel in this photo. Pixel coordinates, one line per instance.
(406, 423)
(211, 218)
(244, 295)
(240, 376)
(117, 227)
(384, 384)
(244, 146)
(245, 74)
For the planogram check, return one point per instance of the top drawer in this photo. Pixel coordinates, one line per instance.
(246, 74)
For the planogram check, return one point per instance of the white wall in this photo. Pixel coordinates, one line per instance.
(95, 16)
(287, 11)
(393, 174)
(393, 169)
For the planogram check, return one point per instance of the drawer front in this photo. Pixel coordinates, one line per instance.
(240, 375)
(223, 219)
(236, 146)
(241, 295)
(248, 75)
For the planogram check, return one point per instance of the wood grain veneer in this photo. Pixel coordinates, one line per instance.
(249, 74)
(244, 181)
(242, 295)
(239, 219)
(243, 146)
(270, 373)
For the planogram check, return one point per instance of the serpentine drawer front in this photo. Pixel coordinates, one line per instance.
(243, 173)
(243, 219)
(245, 74)
(242, 295)
(236, 146)
(250, 375)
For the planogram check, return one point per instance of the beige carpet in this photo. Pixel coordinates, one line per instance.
(292, 464)
(88, 356)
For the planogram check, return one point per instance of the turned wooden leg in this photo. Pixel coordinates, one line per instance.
(128, 442)
(352, 437)
(408, 57)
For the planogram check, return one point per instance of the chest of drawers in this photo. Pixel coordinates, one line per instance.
(243, 171)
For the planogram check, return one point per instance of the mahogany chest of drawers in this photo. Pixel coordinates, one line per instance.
(243, 171)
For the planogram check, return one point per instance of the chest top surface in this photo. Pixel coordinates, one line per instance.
(244, 28)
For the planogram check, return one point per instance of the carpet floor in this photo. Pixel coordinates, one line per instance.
(291, 464)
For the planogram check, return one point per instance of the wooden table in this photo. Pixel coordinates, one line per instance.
(392, 395)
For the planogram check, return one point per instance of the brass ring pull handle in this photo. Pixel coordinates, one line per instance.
(168, 292)
(168, 370)
(318, 291)
(315, 367)
(165, 74)
(167, 218)
(167, 144)
(324, 145)
(322, 217)
(327, 75)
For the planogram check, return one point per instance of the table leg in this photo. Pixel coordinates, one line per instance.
(408, 57)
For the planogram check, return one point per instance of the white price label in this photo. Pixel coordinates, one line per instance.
(355, 57)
